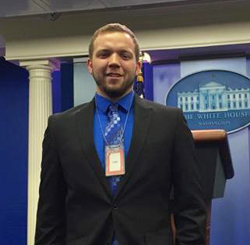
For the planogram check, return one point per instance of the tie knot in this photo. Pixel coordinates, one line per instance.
(112, 111)
(113, 108)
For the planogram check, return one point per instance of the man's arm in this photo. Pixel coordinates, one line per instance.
(189, 206)
(50, 226)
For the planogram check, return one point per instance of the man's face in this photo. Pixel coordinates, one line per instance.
(113, 64)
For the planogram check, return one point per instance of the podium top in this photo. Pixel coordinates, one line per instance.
(216, 137)
(209, 135)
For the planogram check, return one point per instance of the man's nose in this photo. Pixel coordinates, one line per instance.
(114, 60)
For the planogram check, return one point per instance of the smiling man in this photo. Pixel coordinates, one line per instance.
(114, 63)
(109, 165)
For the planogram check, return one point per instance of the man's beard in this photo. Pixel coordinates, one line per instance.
(116, 92)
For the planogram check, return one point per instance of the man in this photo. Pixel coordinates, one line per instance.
(96, 192)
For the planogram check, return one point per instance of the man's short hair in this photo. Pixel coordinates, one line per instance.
(110, 28)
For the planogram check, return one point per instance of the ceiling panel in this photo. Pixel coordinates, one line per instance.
(18, 8)
(13, 8)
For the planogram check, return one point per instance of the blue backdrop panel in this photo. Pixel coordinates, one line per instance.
(67, 96)
(230, 214)
(62, 88)
(56, 91)
(13, 153)
(148, 81)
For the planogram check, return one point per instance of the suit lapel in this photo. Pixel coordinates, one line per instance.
(84, 120)
(142, 119)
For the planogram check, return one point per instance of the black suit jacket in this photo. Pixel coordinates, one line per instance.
(76, 206)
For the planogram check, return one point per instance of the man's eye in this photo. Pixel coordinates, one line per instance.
(103, 55)
(126, 56)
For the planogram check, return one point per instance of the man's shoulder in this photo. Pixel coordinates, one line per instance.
(158, 107)
(70, 113)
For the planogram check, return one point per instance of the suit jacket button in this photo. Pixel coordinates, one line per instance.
(115, 206)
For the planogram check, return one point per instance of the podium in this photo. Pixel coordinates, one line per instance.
(215, 166)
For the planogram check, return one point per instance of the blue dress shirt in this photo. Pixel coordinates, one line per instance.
(125, 107)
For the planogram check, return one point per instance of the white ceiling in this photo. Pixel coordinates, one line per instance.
(20, 8)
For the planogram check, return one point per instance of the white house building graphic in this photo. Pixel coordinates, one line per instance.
(214, 96)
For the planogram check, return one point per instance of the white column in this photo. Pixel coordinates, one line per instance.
(217, 101)
(40, 107)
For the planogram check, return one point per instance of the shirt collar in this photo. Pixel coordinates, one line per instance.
(103, 103)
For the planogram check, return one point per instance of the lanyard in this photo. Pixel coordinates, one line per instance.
(124, 126)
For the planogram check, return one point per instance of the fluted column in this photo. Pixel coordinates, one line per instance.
(40, 107)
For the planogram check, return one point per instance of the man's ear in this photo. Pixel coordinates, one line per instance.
(90, 66)
(138, 67)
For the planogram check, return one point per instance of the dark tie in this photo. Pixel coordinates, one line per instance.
(113, 131)
(113, 135)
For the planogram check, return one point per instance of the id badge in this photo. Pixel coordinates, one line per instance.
(114, 160)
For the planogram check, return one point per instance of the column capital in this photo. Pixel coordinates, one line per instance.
(52, 64)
